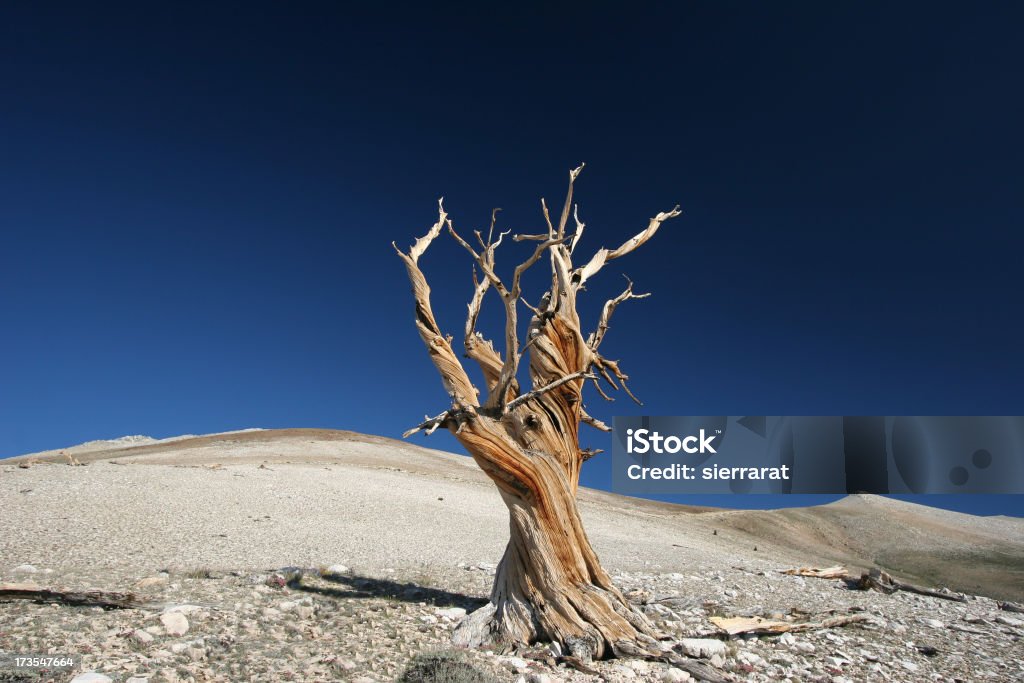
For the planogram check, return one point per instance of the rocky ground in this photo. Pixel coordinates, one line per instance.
(268, 626)
(393, 558)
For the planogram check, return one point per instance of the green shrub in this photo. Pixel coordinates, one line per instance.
(445, 666)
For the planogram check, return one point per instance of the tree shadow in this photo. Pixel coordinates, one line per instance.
(356, 586)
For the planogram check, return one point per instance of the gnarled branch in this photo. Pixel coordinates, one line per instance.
(604, 255)
(597, 336)
(453, 376)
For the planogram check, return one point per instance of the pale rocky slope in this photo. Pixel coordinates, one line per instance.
(418, 531)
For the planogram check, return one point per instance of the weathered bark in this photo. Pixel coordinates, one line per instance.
(26, 591)
(550, 584)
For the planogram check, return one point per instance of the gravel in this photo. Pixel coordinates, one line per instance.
(354, 557)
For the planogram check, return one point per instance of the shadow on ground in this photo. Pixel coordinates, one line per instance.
(355, 586)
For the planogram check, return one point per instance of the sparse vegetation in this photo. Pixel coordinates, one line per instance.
(200, 573)
(444, 666)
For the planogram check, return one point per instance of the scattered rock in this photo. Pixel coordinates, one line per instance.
(543, 678)
(674, 675)
(151, 581)
(174, 623)
(183, 609)
(704, 648)
(452, 613)
(92, 677)
(516, 664)
(141, 636)
(24, 569)
(622, 673)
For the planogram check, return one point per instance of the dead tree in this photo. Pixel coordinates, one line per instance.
(549, 585)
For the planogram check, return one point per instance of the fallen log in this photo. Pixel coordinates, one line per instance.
(10, 592)
(878, 580)
(758, 625)
(837, 572)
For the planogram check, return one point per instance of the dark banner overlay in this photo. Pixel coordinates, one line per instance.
(822, 454)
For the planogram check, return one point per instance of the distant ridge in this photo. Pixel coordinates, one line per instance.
(978, 555)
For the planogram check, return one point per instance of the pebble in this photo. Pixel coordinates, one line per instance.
(515, 663)
(344, 664)
(92, 677)
(543, 678)
(141, 636)
(182, 609)
(151, 581)
(675, 676)
(622, 672)
(803, 646)
(702, 647)
(174, 623)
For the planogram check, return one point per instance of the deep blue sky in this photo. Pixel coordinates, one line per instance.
(197, 205)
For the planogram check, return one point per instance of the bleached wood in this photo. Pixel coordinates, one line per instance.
(550, 584)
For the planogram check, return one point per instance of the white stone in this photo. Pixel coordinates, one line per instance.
(182, 609)
(141, 636)
(543, 678)
(515, 663)
(453, 613)
(151, 581)
(28, 569)
(174, 623)
(92, 677)
(702, 647)
(336, 569)
(675, 676)
(933, 623)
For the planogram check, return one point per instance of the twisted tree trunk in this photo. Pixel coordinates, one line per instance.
(550, 584)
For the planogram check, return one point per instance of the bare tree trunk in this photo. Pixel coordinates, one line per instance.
(550, 585)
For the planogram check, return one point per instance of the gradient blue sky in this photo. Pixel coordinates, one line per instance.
(197, 204)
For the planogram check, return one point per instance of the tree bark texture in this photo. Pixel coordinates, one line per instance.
(549, 585)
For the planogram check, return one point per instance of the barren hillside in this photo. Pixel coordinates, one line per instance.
(425, 528)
